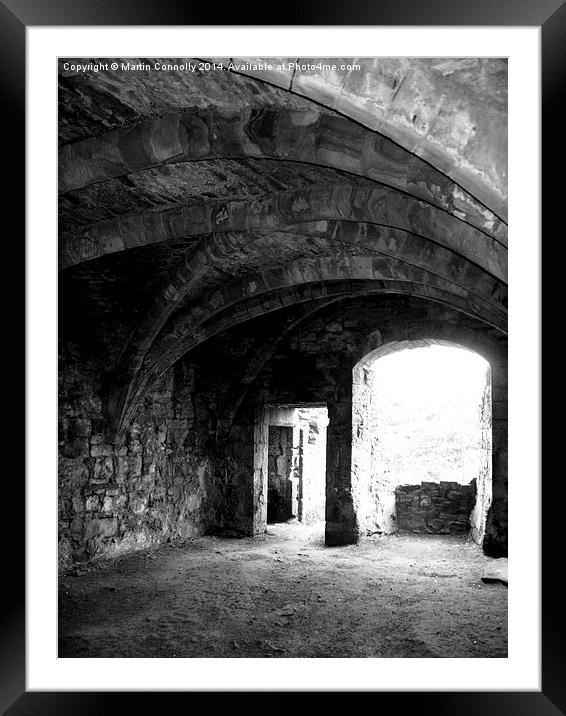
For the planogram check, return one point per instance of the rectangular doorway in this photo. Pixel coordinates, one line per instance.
(290, 465)
(282, 480)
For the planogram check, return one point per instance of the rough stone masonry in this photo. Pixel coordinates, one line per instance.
(435, 507)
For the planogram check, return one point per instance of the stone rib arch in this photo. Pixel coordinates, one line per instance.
(413, 103)
(208, 264)
(264, 353)
(170, 348)
(276, 292)
(356, 202)
(374, 101)
(323, 269)
(303, 136)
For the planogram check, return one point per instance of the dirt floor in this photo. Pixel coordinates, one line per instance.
(285, 594)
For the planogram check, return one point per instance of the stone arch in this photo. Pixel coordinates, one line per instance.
(354, 201)
(409, 253)
(377, 512)
(318, 279)
(307, 136)
(395, 97)
(350, 525)
(208, 260)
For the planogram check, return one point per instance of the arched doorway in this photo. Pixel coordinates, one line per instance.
(421, 439)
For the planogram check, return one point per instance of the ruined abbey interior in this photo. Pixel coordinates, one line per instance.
(242, 243)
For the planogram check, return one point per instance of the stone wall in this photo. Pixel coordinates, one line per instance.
(483, 498)
(153, 486)
(435, 508)
(495, 537)
(371, 468)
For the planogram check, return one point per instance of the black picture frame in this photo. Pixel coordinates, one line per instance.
(15, 17)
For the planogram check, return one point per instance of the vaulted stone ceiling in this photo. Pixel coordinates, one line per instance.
(194, 201)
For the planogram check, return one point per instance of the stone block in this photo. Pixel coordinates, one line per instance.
(103, 527)
(72, 473)
(75, 447)
(435, 524)
(496, 571)
(455, 494)
(103, 469)
(92, 503)
(80, 427)
(120, 502)
(457, 527)
(76, 526)
(135, 465)
(101, 450)
(78, 504)
(138, 504)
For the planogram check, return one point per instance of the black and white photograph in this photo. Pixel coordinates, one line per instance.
(282, 374)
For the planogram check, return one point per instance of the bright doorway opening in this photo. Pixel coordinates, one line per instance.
(421, 444)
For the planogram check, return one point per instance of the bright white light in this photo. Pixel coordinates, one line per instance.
(431, 374)
(428, 409)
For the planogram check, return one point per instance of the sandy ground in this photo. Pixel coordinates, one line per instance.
(286, 595)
